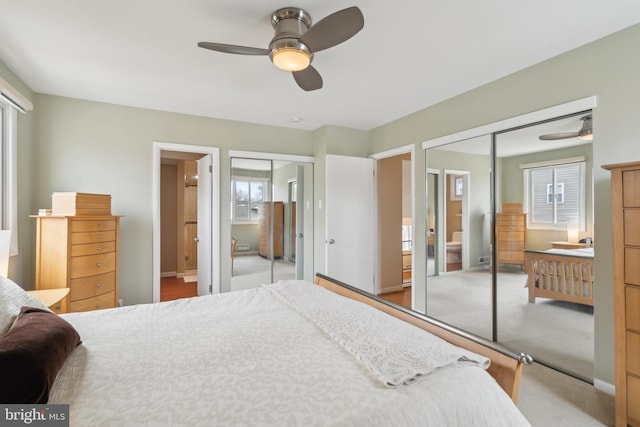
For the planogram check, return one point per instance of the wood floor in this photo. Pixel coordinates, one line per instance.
(174, 288)
(402, 297)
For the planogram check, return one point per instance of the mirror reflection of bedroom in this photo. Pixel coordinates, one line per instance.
(269, 221)
(543, 249)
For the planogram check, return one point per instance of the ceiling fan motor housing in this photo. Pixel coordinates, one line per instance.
(289, 24)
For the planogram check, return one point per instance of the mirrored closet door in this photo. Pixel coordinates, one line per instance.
(271, 221)
(514, 260)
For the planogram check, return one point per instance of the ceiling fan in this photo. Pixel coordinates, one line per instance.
(296, 41)
(585, 132)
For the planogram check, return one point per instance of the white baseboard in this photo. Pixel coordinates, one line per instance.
(169, 274)
(604, 387)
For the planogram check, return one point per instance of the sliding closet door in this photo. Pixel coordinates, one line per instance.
(272, 221)
(459, 280)
(551, 183)
(252, 218)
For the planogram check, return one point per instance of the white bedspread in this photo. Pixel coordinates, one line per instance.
(248, 358)
(395, 352)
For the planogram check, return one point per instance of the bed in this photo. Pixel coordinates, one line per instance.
(560, 274)
(291, 353)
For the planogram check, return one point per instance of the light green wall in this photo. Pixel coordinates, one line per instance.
(607, 69)
(478, 167)
(101, 148)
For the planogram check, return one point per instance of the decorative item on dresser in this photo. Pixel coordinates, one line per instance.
(625, 201)
(77, 248)
(264, 228)
(511, 233)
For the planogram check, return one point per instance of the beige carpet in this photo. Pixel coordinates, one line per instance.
(557, 333)
(551, 399)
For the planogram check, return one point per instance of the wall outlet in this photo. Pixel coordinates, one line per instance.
(483, 259)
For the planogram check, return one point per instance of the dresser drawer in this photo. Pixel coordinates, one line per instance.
(631, 263)
(91, 286)
(93, 237)
(516, 245)
(632, 302)
(511, 257)
(633, 353)
(107, 300)
(78, 226)
(90, 265)
(630, 193)
(513, 218)
(93, 248)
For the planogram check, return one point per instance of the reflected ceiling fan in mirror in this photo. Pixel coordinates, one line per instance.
(296, 41)
(585, 132)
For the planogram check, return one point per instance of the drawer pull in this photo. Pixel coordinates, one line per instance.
(100, 225)
(99, 236)
(99, 264)
(98, 306)
(99, 248)
(58, 308)
(98, 285)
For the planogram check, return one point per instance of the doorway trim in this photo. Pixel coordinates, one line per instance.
(464, 219)
(214, 201)
(411, 149)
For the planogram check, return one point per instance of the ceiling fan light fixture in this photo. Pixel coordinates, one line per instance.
(291, 59)
(586, 131)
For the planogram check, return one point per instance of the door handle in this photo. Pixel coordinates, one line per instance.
(195, 239)
(299, 235)
(331, 241)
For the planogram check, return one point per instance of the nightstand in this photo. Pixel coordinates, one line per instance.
(567, 245)
(55, 299)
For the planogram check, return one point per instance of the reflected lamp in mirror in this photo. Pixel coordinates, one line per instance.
(573, 232)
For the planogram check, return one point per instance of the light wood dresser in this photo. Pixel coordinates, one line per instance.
(511, 228)
(625, 198)
(264, 229)
(77, 247)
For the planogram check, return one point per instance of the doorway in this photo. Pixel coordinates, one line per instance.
(203, 219)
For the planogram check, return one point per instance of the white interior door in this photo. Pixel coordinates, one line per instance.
(350, 216)
(205, 185)
(300, 209)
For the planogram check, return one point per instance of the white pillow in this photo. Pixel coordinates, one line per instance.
(12, 298)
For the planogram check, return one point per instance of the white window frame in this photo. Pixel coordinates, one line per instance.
(582, 214)
(8, 172)
(266, 196)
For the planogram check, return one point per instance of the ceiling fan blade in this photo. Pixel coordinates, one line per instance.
(231, 48)
(334, 29)
(308, 79)
(556, 136)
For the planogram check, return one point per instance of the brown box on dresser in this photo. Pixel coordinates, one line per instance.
(625, 199)
(80, 204)
(80, 253)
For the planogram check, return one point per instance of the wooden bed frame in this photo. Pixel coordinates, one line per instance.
(506, 366)
(558, 276)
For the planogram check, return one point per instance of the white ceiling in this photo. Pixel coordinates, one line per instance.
(411, 53)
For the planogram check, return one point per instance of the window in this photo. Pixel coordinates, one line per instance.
(555, 195)
(8, 203)
(248, 194)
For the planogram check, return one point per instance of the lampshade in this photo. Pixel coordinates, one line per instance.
(290, 59)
